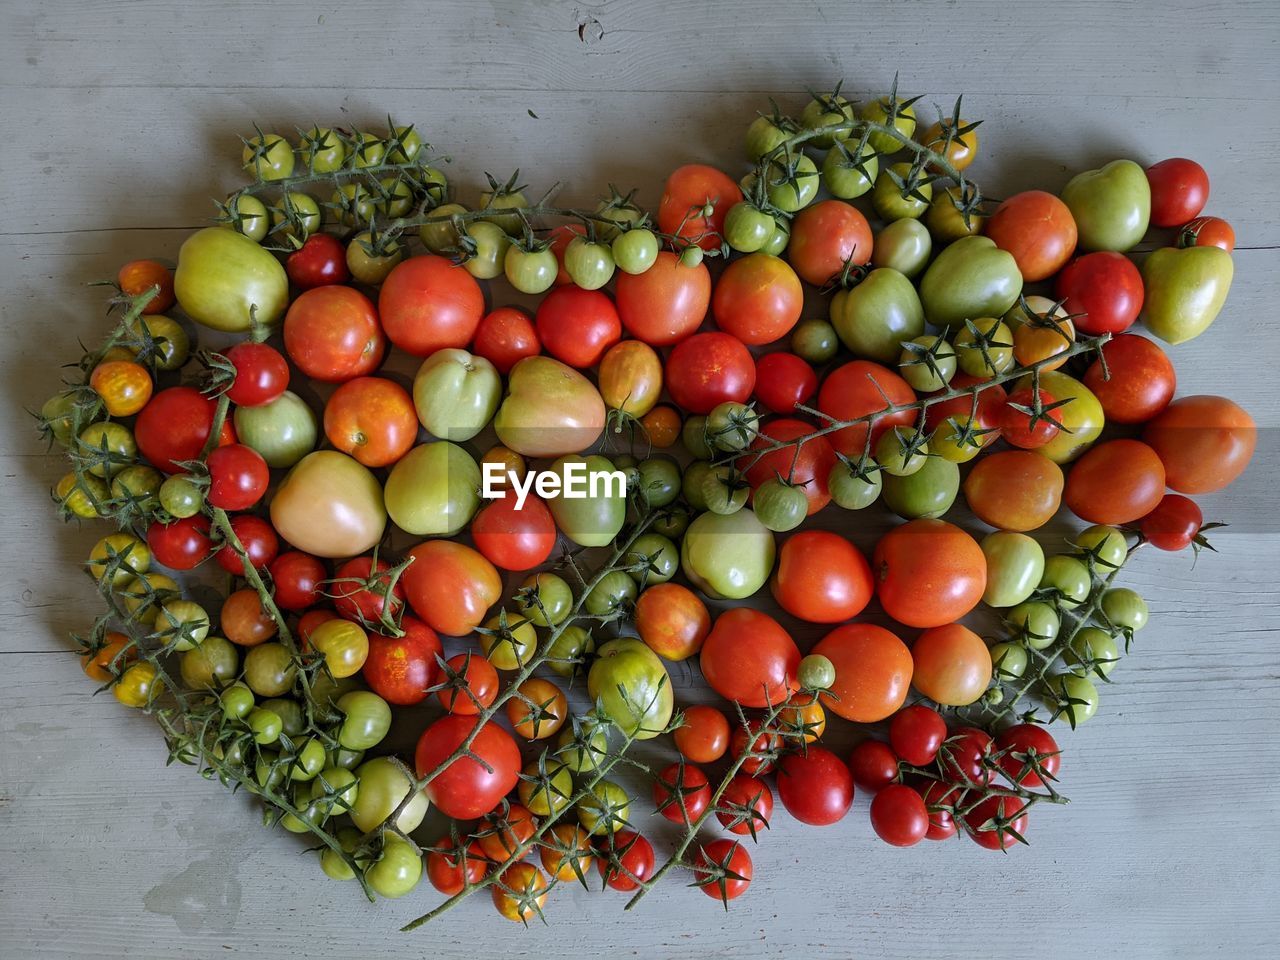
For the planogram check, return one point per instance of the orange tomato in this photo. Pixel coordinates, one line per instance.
(704, 737)
(672, 621)
(1040, 335)
(510, 461)
(803, 718)
(372, 420)
(1115, 482)
(1038, 229)
(1014, 489)
(563, 846)
(630, 377)
(244, 622)
(125, 386)
(451, 586)
(662, 426)
(952, 665)
(962, 149)
(520, 893)
(929, 572)
(138, 276)
(538, 709)
(758, 299)
(97, 663)
(501, 834)
(1204, 442)
(873, 672)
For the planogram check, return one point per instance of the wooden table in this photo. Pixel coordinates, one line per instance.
(121, 120)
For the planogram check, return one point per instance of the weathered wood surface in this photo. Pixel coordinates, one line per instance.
(120, 122)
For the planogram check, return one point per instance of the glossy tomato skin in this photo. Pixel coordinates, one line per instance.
(1138, 381)
(857, 389)
(1179, 191)
(466, 790)
(824, 237)
(577, 326)
(482, 683)
(371, 419)
(821, 577)
(1015, 490)
(297, 577)
(757, 299)
(815, 787)
(258, 539)
(929, 573)
(1038, 229)
(1173, 524)
(402, 669)
(873, 672)
(451, 586)
(687, 191)
(1208, 232)
(1204, 442)
(333, 334)
(951, 665)
(1115, 482)
(514, 539)
(359, 590)
(1017, 743)
(450, 870)
(238, 477)
(935, 793)
(1102, 291)
(916, 733)
(899, 815)
(666, 303)
(750, 659)
(704, 738)
(672, 621)
(873, 764)
(681, 793)
(182, 544)
(506, 335)
(724, 869)
(262, 374)
(745, 803)
(635, 860)
(173, 427)
(319, 262)
(428, 303)
(809, 469)
(708, 369)
(997, 808)
(783, 380)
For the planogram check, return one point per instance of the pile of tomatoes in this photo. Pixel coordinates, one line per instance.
(872, 333)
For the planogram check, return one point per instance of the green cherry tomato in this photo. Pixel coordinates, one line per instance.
(395, 197)
(322, 150)
(545, 599)
(732, 426)
(1111, 206)
(848, 175)
(1105, 544)
(545, 793)
(604, 809)
(357, 205)
(658, 555)
(968, 279)
(779, 505)
(184, 623)
(747, 228)
(489, 251)
(615, 591)
(500, 200)
(673, 521)
(1009, 661)
(828, 110)
(764, 136)
(900, 451)
(984, 347)
(438, 234)
(1092, 651)
(106, 448)
(589, 263)
(635, 250)
(570, 650)
(815, 341)
(724, 491)
(383, 787)
(1125, 609)
(1074, 698)
(816, 672)
(691, 484)
(268, 157)
(879, 111)
(398, 869)
(1015, 564)
(169, 345)
(403, 144)
(117, 558)
(210, 666)
(366, 719)
(693, 434)
(691, 256)
(334, 789)
(904, 245)
(854, 489)
(1068, 578)
(893, 202)
(298, 216)
(282, 431)
(1037, 622)
(927, 363)
(309, 760)
(269, 669)
(792, 185)
(237, 700)
(928, 492)
(729, 556)
(582, 746)
(1185, 290)
(291, 714)
(265, 725)
(248, 216)
(332, 863)
(778, 240)
(874, 318)
(658, 480)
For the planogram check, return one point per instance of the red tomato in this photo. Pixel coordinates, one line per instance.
(238, 477)
(858, 389)
(951, 665)
(1018, 744)
(561, 237)
(750, 659)
(332, 334)
(672, 621)
(577, 326)
(873, 672)
(465, 789)
(478, 687)
(428, 303)
(308, 622)
(705, 735)
(297, 577)
(810, 468)
(991, 401)
(504, 336)
(1021, 426)
(362, 591)
(997, 822)
(259, 540)
(821, 577)
(1174, 524)
(1115, 482)
(514, 539)
(262, 374)
(687, 191)
(969, 757)
(723, 869)
(825, 237)
(916, 733)
(783, 380)
(681, 793)
(451, 586)
(138, 276)
(707, 369)
(815, 786)
(666, 303)
(319, 262)
(1014, 489)
(745, 806)
(449, 871)
(625, 860)
(182, 544)
(757, 299)
(402, 669)
(873, 764)
(1038, 229)
(939, 798)
(372, 419)
(760, 749)
(1204, 442)
(1179, 191)
(174, 426)
(1208, 232)
(1102, 291)
(1137, 382)
(929, 573)
(899, 816)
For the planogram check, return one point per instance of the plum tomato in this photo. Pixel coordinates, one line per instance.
(821, 577)
(815, 787)
(873, 672)
(1116, 482)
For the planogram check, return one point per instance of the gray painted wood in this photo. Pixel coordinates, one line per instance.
(121, 120)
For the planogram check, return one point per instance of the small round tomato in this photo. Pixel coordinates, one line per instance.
(429, 303)
(511, 538)
(951, 665)
(262, 374)
(687, 194)
(244, 621)
(124, 386)
(968, 757)
(723, 869)
(238, 477)
(807, 466)
(757, 299)
(1014, 489)
(174, 426)
(704, 736)
(319, 262)
(116, 652)
(371, 419)
(626, 859)
(1208, 232)
(538, 709)
(998, 822)
(859, 389)
(750, 659)
(333, 334)
(783, 380)
(1115, 482)
(402, 669)
(666, 303)
(661, 426)
(822, 578)
(1204, 442)
(1102, 292)
(672, 621)
(577, 326)
(825, 238)
(505, 336)
(297, 577)
(182, 544)
(815, 786)
(929, 573)
(873, 672)
(1179, 191)
(916, 734)
(138, 276)
(745, 806)
(1174, 524)
(708, 369)
(362, 590)
(899, 815)
(758, 749)
(344, 645)
(874, 765)
(450, 870)
(566, 852)
(477, 685)
(1030, 755)
(259, 540)
(520, 893)
(939, 800)
(1038, 229)
(1023, 425)
(1136, 382)
(681, 793)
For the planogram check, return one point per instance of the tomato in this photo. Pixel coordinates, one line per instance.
(1014, 489)
(174, 426)
(874, 317)
(873, 671)
(687, 191)
(630, 377)
(595, 519)
(821, 577)
(745, 806)
(939, 799)
(451, 586)
(859, 389)
(550, 410)
(1137, 381)
(428, 303)
(1116, 482)
(827, 236)
(758, 750)
(433, 490)
(1023, 425)
(319, 262)
(537, 711)
(1204, 442)
(504, 336)
(750, 659)
(1186, 289)
(1179, 191)
(283, 431)
(371, 419)
(758, 299)
(784, 380)
(672, 621)
(970, 278)
(1041, 331)
(1038, 229)
(182, 544)
(520, 893)
(297, 577)
(332, 334)
(951, 665)
(807, 465)
(956, 429)
(916, 734)
(1082, 418)
(1174, 524)
(362, 590)
(681, 793)
(929, 573)
(899, 815)
(511, 538)
(1019, 745)
(815, 787)
(626, 859)
(666, 303)
(727, 556)
(116, 653)
(329, 505)
(1102, 291)
(226, 281)
(466, 789)
(577, 326)
(244, 620)
(968, 757)
(723, 869)
(1208, 232)
(704, 736)
(238, 477)
(505, 830)
(383, 787)
(873, 764)
(259, 541)
(476, 685)
(661, 426)
(450, 870)
(998, 822)
(708, 369)
(261, 374)
(138, 276)
(124, 386)
(343, 644)
(631, 685)
(1015, 563)
(1111, 205)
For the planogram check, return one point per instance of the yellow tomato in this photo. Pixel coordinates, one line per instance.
(138, 685)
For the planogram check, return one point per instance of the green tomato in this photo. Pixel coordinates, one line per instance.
(366, 720)
(928, 492)
(616, 214)
(269, 668)
(395, 197)
(1068, 578)
(504, 200)
(874, 318)
(888, 198)
(550, 410)
(530, 271)
(780, 237)
(184, 623)
(332, 863)
(510, 642)
(322, 150)
(723, 490)
(249, 217)
(604, 809)
(588, 263)
(658, 480)
(970, 278)
(1015, 564)
(1009, 661)
(58, 414)
(731, 426)
(1111, 206)
(547, 599)
(673, 521)
(403, 144)
(692, 484)
(433, 490)
(119, 557)
(398, 869)
(747, 228)
(854, 489)
(356, 203)
(1185, 290)
(631, 685)
(309, 760)
(107, 448)
(370, 264)
(581, 747)
(169, 345)
(297, 216)
(334, 789)
(1072, 697)
(900, 452)
(1105, 544)
(615, 591)
(570, 650)
(368, 150)
(383, 786)
(693, 434)
(432, 182)
(635, 251)
(291, 714)
(456, 394)
(1125, 609)
(727, 556)
(545, 793)
(879, 111)
(265, 725)
(984, 347)
(763, 137)
(226, 281)
(815, 341)
(237, 700)
(847, 175)
(210, 666)
(904, 245)
(268, 157)
(1038, 623)
(1092, 651)
(660, 556)
(829, 110)
(816, 672)
(927, 363)
(488, 256)
(595, 519)
(780, 506)
(691, 256)
(791, 189)
(438, 234)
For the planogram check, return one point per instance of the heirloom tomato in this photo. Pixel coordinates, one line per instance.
(757, 299)
(632, 687)
(550, 410)
(708, 369)
(456, 394)
(451, 586)
(371, 419)
(330, 506)
(1111, 205)
(874, 317)
(727, 556)
(1038, 229)
(433, 490)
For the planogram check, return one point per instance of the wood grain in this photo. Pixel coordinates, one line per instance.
(122, 120)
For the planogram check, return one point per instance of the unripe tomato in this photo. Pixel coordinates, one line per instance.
(125, 386)
(138, 276)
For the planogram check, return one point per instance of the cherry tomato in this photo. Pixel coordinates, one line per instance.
(948, 439)
(815, 787)
(1115, 482)
(929, 573)
(1018, 744)
(745, 806)
(504, 336)
(686, 194)
(723, 869)
(873, 764)
(259, 540)
(708, 369)
(1038, 229)
(826, 237)
(371, 419)
(1173, 524)
(514, 539)
(238, 477)
(308, 622)
(244, 621)
(681, 793)
(873, 672)
(821, 577)
(661, 426)
(1025, 427)
(757, 299)
(759, 748)
(1179, 191)
(519, 894)
(1137, 382)
(538, 710)
(672, 621)
(504, 831)
(402, 669)
(704, 737)
(809, 468)
(626, 860)
(116, 651)
(997, 822)
(951, 665)
(577, 326)
(1102, 292)
(916, 733)
(968, 757)
(899, 815)
(450, 870)
(124, 386)
(1208, 232)
(568, 854)
(939, 798)
(333, 334)
(1014, 489)
(1204, 442)
(297, 577)
(362, 591)
(473, 784)
(319, 262)
(783, 380)
(138, 276)
(859, 389)
(261, 374)
(429, 303)
(182, 544)
(481, 680)
(750, 659)
(174, 426)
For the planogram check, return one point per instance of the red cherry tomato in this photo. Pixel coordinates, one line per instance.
(1137, 382)
(1208, 232)
(687, 192)
(705, 735)
(402, 669)
(1018, 744)
(504, 336)
(361, 591)
(757, 299)
(1102, 291)
(899, 815)
(759, 748)
(939, 799)
(259, 540)
(750, 659)
(1038, 229)
(308, 622)
(873, 764)
(707, 369)
(577, 326)
(825, 237)
(262, 374)
(428, 303)
(514, 539)
(783, 380)
(561, 237)
(625, 860)
(1115, 482)
(481, 680)
(858, 389)
(809, 468)
(319, 262)
(916, 733)
(997, 822)
(681, 793)
(968, 757)
(449, 870)
(1173, 524)
(821, 577)
(815, 786)
(474, 784)
(297, 577)
(1179, 191)
(745, 806)
(238, 477)
(723, 869)
(333, 334)
(666, 303)
(182, 544)
(1021, 426)
(174, 426)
